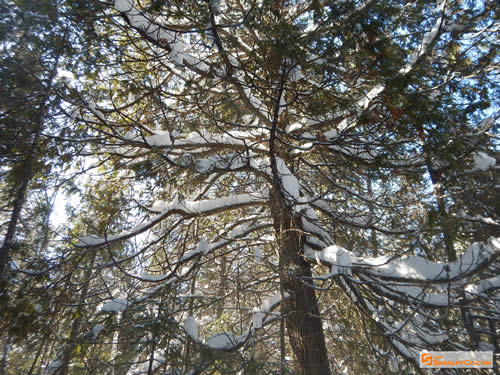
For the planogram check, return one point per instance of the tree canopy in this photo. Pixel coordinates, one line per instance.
(252, 187)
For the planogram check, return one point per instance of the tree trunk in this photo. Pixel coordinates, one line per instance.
(75, 331)
(301, 311)
(5, 355)
(443, 216)
(21, 191)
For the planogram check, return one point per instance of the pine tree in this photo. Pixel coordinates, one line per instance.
(282, 178)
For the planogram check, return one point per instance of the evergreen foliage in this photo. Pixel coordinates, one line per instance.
(252, 187)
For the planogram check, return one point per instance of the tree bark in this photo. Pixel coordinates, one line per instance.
(443, 218)
(301, 311)
(21, 191)
(5, 355)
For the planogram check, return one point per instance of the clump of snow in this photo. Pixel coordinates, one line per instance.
(123, 5)
(257, 253)
(413, 268)
(339, 258)
(283, 104)
(96, 330)
(191, 327)
(54, 366)
(267, 305)
(293, 127)
(159, 139)
(177, 52)
(158, 360)
(115, 305)
(295, 74)
(75, 113)
(202, 247)
(91, 240)
(270, 302)
(288, 180)
(224, 341)
(258, 317)
(152, 277)
(483, 161)
(343, 262)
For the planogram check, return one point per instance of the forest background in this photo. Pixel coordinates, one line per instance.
(250, 186)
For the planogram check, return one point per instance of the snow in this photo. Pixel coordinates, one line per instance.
(257, 253)
(255, 101)
(288, 180)
(270, 302)
(191, 327)
(365, 102)
(342, 264)
(309, 224)
(75, 113)
(339, 258)
(115, 305)
(258, 317)
(123, 5)
(158, 360)
(53, 366)
(202, 138)
(207, 207)
(485, 285)
(295, 74)
(225, 341)
(210, 205)
(14, 266)
(152, 277)
(177, 52)
(91, 240)
(483, 161)
(293, 127)
(416, 293)
(486, 220)
(267, 305)
(413, 268)
(418, 268)
(202, 247)
(426, 42)
(96, 330)
(283, 104)
(139, 21)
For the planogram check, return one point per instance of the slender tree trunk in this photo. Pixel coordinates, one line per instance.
(20, 195)
(443, 216)
(77, 322)
(371, 208)
(301, 311)
(5, 355)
